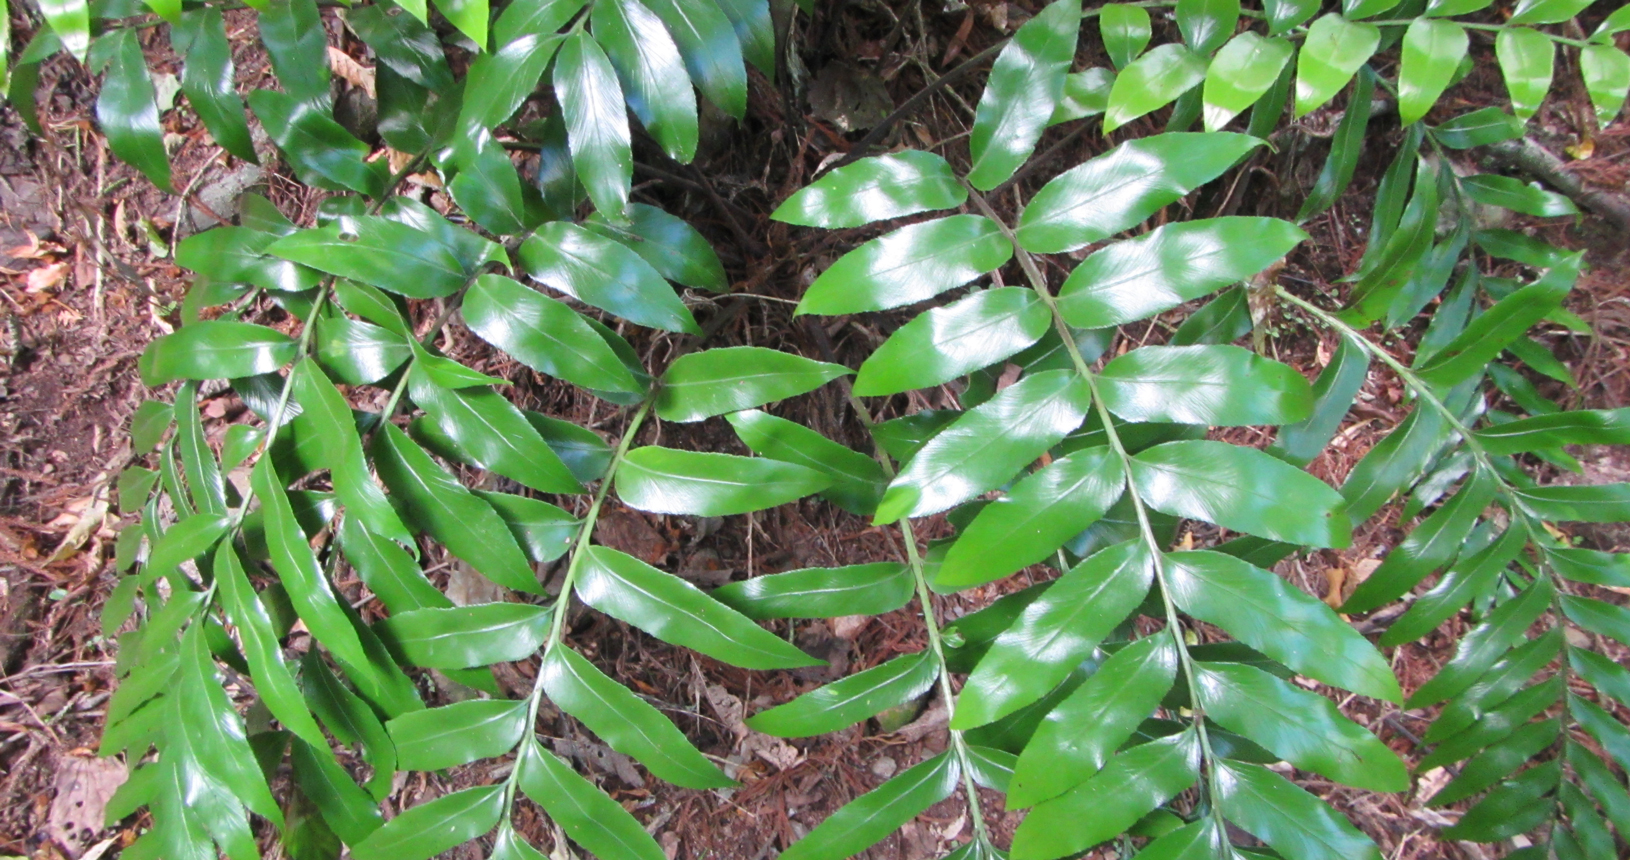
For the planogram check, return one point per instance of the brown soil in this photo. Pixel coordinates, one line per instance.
(86, 290)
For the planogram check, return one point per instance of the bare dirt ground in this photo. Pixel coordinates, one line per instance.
(88, 282)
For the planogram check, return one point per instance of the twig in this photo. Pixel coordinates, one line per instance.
(1532, 158)
(878, 131)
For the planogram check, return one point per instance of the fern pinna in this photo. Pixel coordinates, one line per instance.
(1143, 696)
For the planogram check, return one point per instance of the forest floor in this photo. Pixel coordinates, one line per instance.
(88, 282)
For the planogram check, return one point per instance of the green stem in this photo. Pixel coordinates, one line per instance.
(936, 638)
(557, 620)
(1174, 626)
(1520, 511)
(1424, 392)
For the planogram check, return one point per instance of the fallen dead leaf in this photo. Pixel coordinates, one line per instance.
(351, 71)
(47, 277)
(84, 787)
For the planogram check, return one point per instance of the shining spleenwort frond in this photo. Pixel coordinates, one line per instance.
(1095, 699)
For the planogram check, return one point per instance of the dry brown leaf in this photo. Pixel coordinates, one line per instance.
(47, 277)
(351, 71)
(84, 787)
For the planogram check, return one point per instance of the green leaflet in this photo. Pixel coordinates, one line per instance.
(342, 451)
(669, 244)
(1241, 489)
(182, 542)
(215, 350)
(944, 343)
(533, 17)
(712, 53)
(469, 16)
(308, 589)
(1024, 86)
(729, 379)
(1492, 706)
(1137, 278)
(1526, 59)
(457, 734)
(320, 150)
(1345, 148)
(126, 107)
(428, 829)
(206, 79)
(543, 531)
(1432, 50)
(675, 611)
(358, 353)
(404, 45)
(499, 82)
(857, 479)
(217, 733)
(597, 133)
(435, 502)
(670, 481)
(1125, 30)
(1216, 385)
(544, 334)
(1086, 93)
(1511, 808)
(1207, 24)
(1479, 128)
(1241, 73)
(492, 433)
(1333, 394)
(1331, 54)
(1498, 761)
(843, 703)
(1603, 726)
(148, 425)
(350, 720)
(1151, 82)
(70, 20)
(204, 482)
(1598, 617)
(465, 636)
(600, 272)
(1432, 544)
(1470, 577)
(1602, 784)
(868, 819)
(1546, 11)
(1034, 519)
(1129, 786)
(908, 265)
(1590, 566)
(236, 254)
(1394, 463)
(591, 818)
(1477, 650)
(874, 189)
(984, 447)
(652, 73)
(1055, 633)
(346, 809)
(297, 46)
(1600, 503)
(1265, 612)
(1301, 727)
(1284, 14)
(1293, 822)
(388, 570)
(624, 721)
(1079, 735)
(271, 675)
(1606, 71)
(819, 592)
(379, 251)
